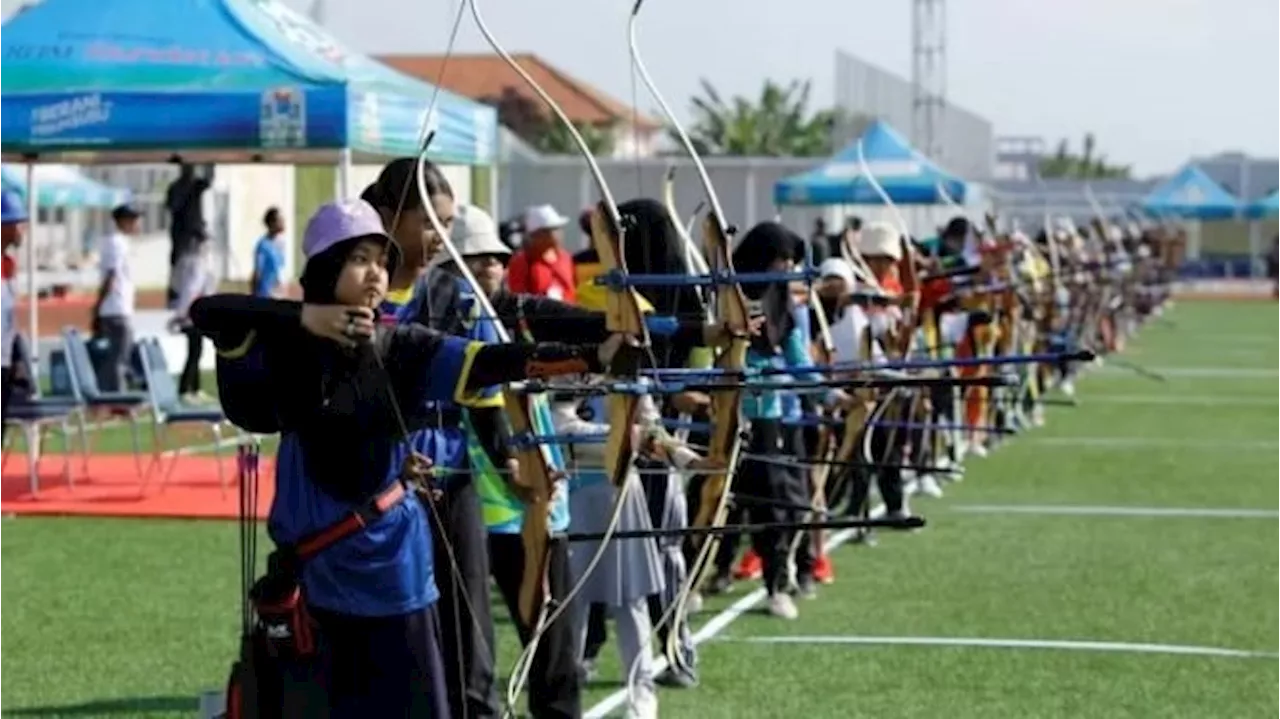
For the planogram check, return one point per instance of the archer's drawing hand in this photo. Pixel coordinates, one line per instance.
(345, 325)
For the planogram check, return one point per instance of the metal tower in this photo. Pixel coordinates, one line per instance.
(929, 76)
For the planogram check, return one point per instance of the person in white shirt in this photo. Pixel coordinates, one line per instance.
(13, 226)
(113, 312)
(194, 279)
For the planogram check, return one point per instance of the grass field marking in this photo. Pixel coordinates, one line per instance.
(1200, 372)
(1085, 511)
(1175, 399)
(714, 626)
(1062, 644)
(1127, 443)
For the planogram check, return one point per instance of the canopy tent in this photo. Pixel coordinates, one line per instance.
(62, 186)
(1268, 206)
(214, 80)
(908, 178)
(1191, 194)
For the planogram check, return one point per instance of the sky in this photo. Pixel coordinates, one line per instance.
(1157, 81)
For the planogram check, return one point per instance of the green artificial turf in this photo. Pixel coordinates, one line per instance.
(121, 618)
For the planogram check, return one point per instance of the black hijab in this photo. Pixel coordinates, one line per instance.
(766, 243)
(653, 247)
(346, 422)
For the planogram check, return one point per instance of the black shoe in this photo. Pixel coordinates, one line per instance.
(806, 588)
(720, 584)
(675, 679)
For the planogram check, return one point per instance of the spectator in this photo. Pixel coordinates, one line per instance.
(1273, 266)
(184, 201)
(13, 226)
(542, 266)
(268, 258)
(113, 312)
(195, 280)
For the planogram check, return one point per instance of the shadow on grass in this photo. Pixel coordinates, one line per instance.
(132, 706)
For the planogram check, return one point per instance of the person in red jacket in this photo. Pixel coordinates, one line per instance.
(542, 266)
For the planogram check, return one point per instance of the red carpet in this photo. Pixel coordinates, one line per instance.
(112, 488)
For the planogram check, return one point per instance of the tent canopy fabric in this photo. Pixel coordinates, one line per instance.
(1191, 194)
(141, 79)
(1268, 206)
(62, 186)
(908, 178)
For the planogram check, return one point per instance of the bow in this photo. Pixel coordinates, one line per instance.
(624, 316)
(728, 425)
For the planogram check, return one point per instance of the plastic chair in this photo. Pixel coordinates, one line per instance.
(168, 410)
(85, 389)
(33, 415)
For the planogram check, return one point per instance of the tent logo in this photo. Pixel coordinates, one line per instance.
(283, 121)
(70, 114)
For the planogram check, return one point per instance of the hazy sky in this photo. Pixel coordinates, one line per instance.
(1156, 80)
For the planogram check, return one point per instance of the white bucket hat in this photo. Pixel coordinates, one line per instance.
(474, 233)
(880, 239)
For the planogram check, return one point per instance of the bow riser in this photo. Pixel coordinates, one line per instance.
(538, 485)
(622, 315)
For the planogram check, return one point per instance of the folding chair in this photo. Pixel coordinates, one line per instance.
(85, 388)
(33, 415)
(167, 411)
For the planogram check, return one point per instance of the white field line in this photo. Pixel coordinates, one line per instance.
(1084, 511)
(1199, 372)
(714, 626)
(1068, 645)
(1127, 443)
(1176, 399)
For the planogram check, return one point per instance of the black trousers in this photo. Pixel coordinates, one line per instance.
(466, 622)
(768, 481)
(555, 687)
(113, 374)
(886, 446)
(189, 381)
(382, 666)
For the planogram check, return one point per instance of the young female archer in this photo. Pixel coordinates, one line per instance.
(342, 392)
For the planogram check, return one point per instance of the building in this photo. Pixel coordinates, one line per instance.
(865, 91)
(489, 79)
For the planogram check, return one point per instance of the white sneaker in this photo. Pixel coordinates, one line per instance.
(911, 487)
(1068, 388)
(643, 705)
(782, 606)
(693, 604)
(929, 486)
(978, 450)
(1037, 416)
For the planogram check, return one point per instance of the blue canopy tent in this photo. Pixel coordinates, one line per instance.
(62, 186)
(1191, 194)
(908, 178)
(214, 80)
(1268, 206)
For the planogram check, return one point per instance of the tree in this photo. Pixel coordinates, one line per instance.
(554, 139)
(534, 125)
(778, 123)
(1085, 166)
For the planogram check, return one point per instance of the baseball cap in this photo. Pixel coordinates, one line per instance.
(339, 221)
(543, 217)
(837, 267)
(880, 239)
(14, 210)
(124, 212)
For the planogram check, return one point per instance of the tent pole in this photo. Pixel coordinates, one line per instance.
(33, 299)
(342, 189)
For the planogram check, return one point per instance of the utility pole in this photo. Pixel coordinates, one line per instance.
(929, 76)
